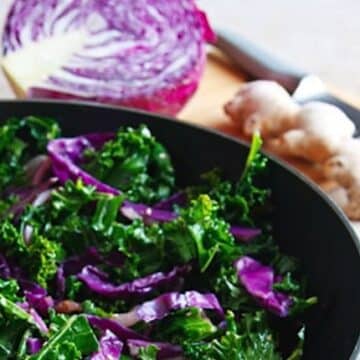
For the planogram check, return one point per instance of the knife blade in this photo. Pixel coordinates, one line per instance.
(259, 64)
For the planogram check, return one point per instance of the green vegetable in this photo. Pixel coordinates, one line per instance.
(10, 289)
(249, 340)
(74, 340)
(147, 353)
(199, 233)
(41, 257)
(12, 333)
(183, 325)
(237, 201)
(135, 163)
(17, 136)
(9, 308)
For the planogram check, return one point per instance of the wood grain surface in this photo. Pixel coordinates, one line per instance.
(219, 83)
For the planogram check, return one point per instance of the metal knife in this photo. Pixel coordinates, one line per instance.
(257, 63)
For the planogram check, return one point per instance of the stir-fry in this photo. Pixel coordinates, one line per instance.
(103, 256)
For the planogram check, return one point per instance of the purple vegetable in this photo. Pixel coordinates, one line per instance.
(110, 347)
(41, 302)
(5, 271)
(37, 168)
(30, 194)
(97, 281)
(149, 215)
(37, 319)
(258, 280)
(122, 332)
(75, 264)
(160, 307)
(243, 233)
(36, 297)
(165, 350)
(180, 199)
(140, 53)
(67, 154)
(33, 345)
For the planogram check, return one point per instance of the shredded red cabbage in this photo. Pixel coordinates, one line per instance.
(258, 280)
(33, 345)
(122, 332)
(110, 347)
(160, 307)
(97, 281)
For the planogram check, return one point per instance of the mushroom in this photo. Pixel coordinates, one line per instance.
(321, 131)
(263, 106)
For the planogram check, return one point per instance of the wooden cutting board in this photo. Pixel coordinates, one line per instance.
(219, 83)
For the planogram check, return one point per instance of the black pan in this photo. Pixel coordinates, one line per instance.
(306, 224)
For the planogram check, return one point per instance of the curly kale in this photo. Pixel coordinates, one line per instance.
(19, 137)
(247, 339)
(237, 201)
(135, 163)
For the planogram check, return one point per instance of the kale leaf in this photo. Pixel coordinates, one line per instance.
(250, 339)
(135, 163)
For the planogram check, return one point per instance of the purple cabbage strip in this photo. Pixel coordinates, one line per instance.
(38, 321)
(258, 280)
(244, 233)
(122, 332)
(75, 264)
(149, 215)
(37, 168)
(36, 296)
(165, 350)
(161, 306)
(67, 154)
(180, 199)
(30, 194)
(110, 347)
(97, 282)
(33, 345)
(5, 270)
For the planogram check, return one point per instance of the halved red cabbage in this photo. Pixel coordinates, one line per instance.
(161, 306)
(165, 350)
(138, 53)
(258, 280)
(110, 347)
(97, 281)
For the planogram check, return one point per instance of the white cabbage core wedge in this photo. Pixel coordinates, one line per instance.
(36, 61)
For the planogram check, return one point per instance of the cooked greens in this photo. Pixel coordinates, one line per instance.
(102, 256)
